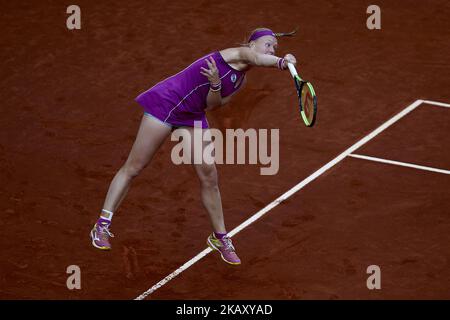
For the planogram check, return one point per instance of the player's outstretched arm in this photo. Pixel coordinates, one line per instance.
(253, 58)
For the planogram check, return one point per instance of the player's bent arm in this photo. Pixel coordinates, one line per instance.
(213, 100)
(227, 99)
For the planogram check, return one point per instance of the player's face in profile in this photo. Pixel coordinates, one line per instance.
(266, 45)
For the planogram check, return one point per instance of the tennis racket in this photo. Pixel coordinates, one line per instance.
(306, 97)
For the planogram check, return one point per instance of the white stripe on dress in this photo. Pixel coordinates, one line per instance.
(203, 84)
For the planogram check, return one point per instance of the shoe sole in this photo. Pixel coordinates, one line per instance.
(212, 246)
(95, 245)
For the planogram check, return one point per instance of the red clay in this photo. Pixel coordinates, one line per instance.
(69, 120)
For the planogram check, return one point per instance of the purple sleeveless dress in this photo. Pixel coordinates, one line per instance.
(181, 99)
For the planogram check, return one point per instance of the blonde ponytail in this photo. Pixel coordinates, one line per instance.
(245, 43)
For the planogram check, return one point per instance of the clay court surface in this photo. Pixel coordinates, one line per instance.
(69, 119)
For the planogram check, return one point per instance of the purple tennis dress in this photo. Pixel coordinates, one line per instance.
(181, 99)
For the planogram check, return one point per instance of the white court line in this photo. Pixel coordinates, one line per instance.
(398, 163)
(440, 104)
(286, 195)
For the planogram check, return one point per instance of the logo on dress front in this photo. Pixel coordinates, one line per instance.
(233, 78)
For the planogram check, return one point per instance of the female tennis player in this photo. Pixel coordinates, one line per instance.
(177, 102)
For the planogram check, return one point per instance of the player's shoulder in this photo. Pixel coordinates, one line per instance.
(234, 55)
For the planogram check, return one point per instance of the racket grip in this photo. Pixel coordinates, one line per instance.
(292, 69)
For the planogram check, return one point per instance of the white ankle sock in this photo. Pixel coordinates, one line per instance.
(106, 214)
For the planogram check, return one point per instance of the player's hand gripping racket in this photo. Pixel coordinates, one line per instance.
(306, 97)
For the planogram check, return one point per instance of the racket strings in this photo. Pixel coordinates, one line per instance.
(307, 100)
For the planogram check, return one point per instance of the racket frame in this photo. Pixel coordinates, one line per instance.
(299, 83)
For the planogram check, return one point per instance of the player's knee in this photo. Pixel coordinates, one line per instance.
(132, 169)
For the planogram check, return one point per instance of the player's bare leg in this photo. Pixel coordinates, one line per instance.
(210, 193)
(150, 136)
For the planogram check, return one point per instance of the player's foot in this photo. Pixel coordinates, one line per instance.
(225, 247)
(100, 235)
